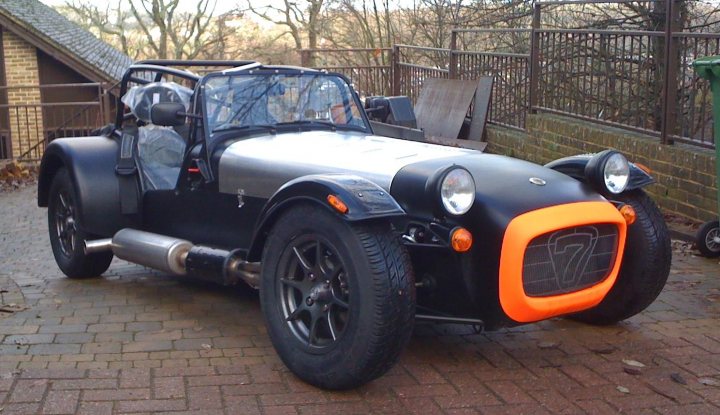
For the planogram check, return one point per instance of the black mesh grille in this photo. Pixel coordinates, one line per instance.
(569, 259)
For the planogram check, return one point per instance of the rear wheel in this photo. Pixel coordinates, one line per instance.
(66, 238)
(338, 298)
(645, 266)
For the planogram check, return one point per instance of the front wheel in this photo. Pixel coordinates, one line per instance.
(645, 265)
(66, 236)
(338, 298)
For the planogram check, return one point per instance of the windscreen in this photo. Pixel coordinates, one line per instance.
(237, 101)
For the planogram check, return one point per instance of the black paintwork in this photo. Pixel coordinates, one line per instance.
(503, 192)
(574, 166)
(90, 161)
(365, 200)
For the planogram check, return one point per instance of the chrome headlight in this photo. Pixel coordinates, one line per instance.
(609, 170)
(457, 191)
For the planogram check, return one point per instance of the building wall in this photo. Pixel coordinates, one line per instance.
(686, 180)
(21, 68)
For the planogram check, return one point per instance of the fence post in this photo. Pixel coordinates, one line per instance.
(535, 58)
(304, 58)
(453, 69)
(396, 70)
(670, 101)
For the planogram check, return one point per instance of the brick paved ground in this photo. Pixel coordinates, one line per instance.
(134, 341)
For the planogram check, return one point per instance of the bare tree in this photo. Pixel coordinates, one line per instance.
(111, 24)
(155, 28)
(303, 19)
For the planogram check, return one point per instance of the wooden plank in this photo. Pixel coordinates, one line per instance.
(481, 108)
(442, 106)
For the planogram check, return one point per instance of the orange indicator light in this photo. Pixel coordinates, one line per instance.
(337, 204)
(629, 214)
(643, 167)
(461, 240)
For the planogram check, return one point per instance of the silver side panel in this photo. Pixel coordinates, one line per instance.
(259, 166)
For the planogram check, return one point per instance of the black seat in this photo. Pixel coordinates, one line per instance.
(160, 149)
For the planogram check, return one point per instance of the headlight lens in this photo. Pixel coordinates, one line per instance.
(616, 173)
(457, 191)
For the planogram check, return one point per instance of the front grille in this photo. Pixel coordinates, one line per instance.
(569, 260)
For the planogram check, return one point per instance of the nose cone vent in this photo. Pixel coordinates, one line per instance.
(569, 260)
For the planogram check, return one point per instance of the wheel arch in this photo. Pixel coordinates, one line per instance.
(90, 162)
(365, 201)
(51, 163)
(574, 166)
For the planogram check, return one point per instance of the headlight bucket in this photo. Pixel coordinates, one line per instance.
(457, 191)
(608, 171)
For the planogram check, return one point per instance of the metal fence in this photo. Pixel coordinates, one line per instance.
(368, 69)
(633, 79)
(27, 128)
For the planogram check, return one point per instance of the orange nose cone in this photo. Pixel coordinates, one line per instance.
(337, 204)
(461, 240)
(629, 214)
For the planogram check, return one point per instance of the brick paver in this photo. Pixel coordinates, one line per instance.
(136, 341)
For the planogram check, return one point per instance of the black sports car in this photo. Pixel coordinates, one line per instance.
(272, 175)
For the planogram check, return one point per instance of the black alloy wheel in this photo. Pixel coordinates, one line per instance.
(67, 239)
(65, 222)
(338, 297)
(315, 295)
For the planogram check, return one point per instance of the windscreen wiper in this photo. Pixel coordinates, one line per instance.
(326, 124)
(270, 127)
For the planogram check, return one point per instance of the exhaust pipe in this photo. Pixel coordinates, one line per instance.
(98, 245)
(178, 256)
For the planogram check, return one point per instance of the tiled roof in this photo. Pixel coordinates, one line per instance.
(68, 37)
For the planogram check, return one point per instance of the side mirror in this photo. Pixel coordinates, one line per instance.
(168, 114)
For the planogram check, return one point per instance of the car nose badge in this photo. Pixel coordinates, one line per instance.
(537, 181)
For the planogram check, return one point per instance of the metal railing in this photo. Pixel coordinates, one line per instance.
(27, 124)
(369, 69)
(640, 80)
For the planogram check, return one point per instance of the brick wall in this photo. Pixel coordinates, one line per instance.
(686, 181)
(21, 68)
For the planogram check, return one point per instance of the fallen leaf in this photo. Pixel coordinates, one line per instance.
(633, 363)
(604, 350)
(548, 345)
(709, 381)
(623, 389)
(632, 370)
(206, 346)
(677, 378)
(12, 308)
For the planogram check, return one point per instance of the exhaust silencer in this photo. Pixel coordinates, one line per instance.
(161, 252)
(178, 256)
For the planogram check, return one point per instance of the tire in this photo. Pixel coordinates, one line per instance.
(66, 238)
(706, 239)
(645, 266)
(352, 282)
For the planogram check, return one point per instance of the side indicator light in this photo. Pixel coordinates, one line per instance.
(461, 240)
(628, 213)
(337, 204)
(643, 167)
